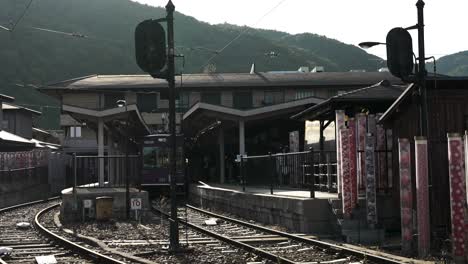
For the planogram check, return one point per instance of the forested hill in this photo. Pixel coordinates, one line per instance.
(32, 56)
(453, 65)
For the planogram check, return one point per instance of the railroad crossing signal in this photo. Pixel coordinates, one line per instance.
(400, 52)
(150, 48)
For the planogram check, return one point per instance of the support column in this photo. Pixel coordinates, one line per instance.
(361, 128)
(346, 180)
(110, 150)
(241, 137)
(406, 196)
(353, 161)
(322, 139)
(422, 196)
(371, 198)
(339, 124)
(221, 155)
(457, 196)
(101, 150)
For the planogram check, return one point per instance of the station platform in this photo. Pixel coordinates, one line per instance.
(282, 192)
(293, 209)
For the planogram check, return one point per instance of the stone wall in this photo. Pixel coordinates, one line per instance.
(296, 214)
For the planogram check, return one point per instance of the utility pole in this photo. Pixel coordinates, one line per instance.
(174, 224)
(422, 70)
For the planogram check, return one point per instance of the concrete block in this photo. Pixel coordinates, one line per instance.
(72, 207)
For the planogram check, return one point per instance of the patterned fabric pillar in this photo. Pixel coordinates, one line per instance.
(371, 198)
(371, 124)
(406, 196)
(457, 196)
(389, 139)
(353, 161)
(466, 171)
(339, 124)
(346, 180)
(361, 128)
(422, 195)
(381, 171)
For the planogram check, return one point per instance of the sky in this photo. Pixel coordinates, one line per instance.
(348, 21)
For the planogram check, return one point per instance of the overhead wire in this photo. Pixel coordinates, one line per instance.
(22, 15)
(240, 35)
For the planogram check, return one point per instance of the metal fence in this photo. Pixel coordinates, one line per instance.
(107, 171)
(29, 176)
(308, 170)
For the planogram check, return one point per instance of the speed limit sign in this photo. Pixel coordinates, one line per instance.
(135, 203)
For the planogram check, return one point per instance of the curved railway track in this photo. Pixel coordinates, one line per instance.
(39, 239)
(273, 245)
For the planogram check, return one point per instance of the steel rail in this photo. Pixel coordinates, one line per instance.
(6, 209)
(244, 246)
(322, 244)
(69, 244)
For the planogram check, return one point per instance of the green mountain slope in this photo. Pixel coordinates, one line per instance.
(33, 56)
(454, 65)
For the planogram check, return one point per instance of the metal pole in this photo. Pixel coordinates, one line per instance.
(272, 174)
(127, 181)
(242, 172)
(312, 174)
(174, 225)
(422, 69)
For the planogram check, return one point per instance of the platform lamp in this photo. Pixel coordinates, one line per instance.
(120, 104)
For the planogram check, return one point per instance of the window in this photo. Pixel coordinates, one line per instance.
(273, 97)
(304, 94)
(183, 101)
(147, 102)
(242, 100)
(75, 132)
(110, 100)
(211, 98)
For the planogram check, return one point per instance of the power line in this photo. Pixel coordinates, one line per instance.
(22, 15)
(4, 28)
(241, 34)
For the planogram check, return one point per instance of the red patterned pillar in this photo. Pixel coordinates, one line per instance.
(422, 196)
(406, 196)
(457, 196)
(389, 138)
(339, 124)
(361, 130)
(381, 171)
(353, 161)
(371, 198)
(346, 180)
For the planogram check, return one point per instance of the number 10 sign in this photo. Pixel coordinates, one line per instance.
(135, 203)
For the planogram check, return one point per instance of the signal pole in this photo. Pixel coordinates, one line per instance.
(174, 224)
(422, 69)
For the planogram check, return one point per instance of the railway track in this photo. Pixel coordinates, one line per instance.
(37, 240)
(273, 245)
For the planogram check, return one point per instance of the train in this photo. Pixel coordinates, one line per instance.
(155, 157)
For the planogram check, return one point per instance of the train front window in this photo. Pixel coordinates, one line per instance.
(155, 157)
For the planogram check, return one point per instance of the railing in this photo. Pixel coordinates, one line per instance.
(23, 176)
(308, 170)
(107, 171)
